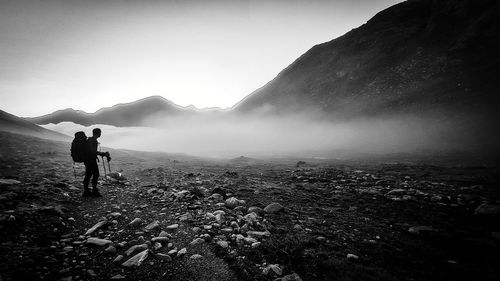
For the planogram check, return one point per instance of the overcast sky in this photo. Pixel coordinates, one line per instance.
(90, 54)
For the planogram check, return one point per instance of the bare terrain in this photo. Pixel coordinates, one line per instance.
(393, 218)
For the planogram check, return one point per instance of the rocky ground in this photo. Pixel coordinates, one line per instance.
(172, 217)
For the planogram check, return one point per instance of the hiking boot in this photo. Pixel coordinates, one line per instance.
(95, 193)
(86, 193)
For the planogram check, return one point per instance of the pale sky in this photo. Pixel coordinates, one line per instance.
(56, 54)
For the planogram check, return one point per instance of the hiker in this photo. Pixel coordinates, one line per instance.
(91, 168)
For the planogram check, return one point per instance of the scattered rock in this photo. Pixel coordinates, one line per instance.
(118, 259)
(98, 242)
(233, 202)
(197, 241)
(96, 227)
(136, 222)
(273, 208)
(272, 270)
(172, 226)
(164, 257)
(223, 244)
(110, 250)
(117, 277)
(352, 257)
(196, 257)
(155, 224)
(181, 252)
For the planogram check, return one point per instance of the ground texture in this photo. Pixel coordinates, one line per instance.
(171, 217)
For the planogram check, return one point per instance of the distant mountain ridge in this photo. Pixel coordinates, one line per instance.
(137, 113)
(413, 56)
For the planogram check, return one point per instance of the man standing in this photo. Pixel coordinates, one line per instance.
(91, 168)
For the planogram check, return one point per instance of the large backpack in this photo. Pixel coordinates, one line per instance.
(79, 148)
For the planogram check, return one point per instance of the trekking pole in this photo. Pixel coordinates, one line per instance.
(109, 166)
(103, 166)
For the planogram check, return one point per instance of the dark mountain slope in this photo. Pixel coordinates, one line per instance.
(136, 113)
(13, 124)
(414, 56)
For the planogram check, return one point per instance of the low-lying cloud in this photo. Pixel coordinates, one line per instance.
(218, 136)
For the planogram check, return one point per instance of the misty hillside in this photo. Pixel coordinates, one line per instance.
(414, 56)
(13, 124)
(136, 113)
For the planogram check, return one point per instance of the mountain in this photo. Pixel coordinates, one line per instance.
(13, 124)
(415, 56)
(137, 113)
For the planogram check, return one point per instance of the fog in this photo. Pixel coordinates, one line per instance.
(300, 135)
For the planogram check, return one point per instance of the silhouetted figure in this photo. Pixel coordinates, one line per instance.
(91, 168)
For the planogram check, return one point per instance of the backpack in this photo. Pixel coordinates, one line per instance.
(79, 148)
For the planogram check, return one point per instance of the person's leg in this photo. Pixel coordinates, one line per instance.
(86, 179)
(95, 177)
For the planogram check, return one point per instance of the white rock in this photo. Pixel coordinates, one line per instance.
(181, 252)
(196, 257)
(172, 226)
(272, 269)
(95, 227)
(137, 259)
(136, 222)
(98, 242)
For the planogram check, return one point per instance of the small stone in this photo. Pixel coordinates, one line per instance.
(256, 245)
(160, 239)
(91, 272)
(196, 257)
(164, 234)
(258, 234)
(250, 240)
(95, 227)
(181, 252)
(257, 210)
(223, 244)
(397, 191)
(118, 259)
(172, 226)
(136, 222)
(115, 215)
(164, 257)
(155, 224)
(197, 241)
(273, 208)
(233, 202)
(110, 250)
(98, 242)
(273, 270)
(117, 277)
(352, 257)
